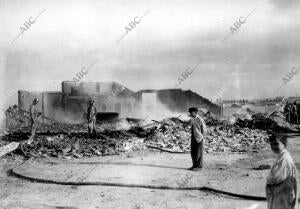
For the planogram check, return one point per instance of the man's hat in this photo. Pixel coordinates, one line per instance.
(193, 109)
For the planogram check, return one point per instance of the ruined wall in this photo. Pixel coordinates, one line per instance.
(73, 108)
(66, 86)
(52, 103)
(108, 97)
(71, 104)
(196, 100)
(177, 100)
(25, 100)
(91, 88)
(95, 88)
(123, 106)
(49, 102)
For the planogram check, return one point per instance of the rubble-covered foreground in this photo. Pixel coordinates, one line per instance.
(172, 134)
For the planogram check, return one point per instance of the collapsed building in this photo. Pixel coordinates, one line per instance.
(111, 100)
(176, 100)
(171, 134)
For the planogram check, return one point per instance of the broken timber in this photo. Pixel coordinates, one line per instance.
(8, 148)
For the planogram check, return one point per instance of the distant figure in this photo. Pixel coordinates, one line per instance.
(281, 107)
(15, 109)
(8, 114)
(91, 117)
(281, 188)
(287, 112)
(198, 130)
(207, 114)
(34, 115)
(294, 113)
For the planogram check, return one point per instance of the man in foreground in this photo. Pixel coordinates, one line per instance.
(198, 131)
(281, 188)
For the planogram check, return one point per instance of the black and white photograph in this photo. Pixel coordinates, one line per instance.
(158, 104)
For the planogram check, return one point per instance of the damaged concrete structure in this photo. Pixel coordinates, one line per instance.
(177, 100)
(70, 104)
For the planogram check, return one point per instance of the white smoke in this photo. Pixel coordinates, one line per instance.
(158, 111)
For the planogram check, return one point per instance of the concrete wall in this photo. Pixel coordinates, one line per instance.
(66, 86)
(25, 99)
(91, 88)
(177, 100)
(52, 103)
(71, 104)
(49, 102)
(123, 106)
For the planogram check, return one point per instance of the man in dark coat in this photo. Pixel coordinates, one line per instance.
(198, 132)
(294, 113)
(34, 116)
(287, 112)
(91, 117)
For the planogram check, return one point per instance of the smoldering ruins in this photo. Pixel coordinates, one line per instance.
(119, 109)
(129, 121)
(149, 104)
(71, 103)
(140, 123)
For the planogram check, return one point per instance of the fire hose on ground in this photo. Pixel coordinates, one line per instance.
(203, 189)
(165, 150)
(99, 183)
(13, 172)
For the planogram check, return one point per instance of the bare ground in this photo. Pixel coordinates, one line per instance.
(230, 172)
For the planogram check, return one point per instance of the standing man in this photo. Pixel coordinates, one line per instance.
(8, 116)
(287, 112)
(34, 115)
(91, 117)
(294, 113)
(197, 139)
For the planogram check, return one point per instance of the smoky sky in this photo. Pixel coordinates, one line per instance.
(173, 36)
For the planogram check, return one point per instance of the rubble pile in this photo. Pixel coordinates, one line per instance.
(55, 139)
(171, 134)
(16, 119)
(174, 135)
(20, 122)
(235, 139)
(81, 145)
(274, 121)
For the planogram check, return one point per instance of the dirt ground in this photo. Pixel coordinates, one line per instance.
(230, 172)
